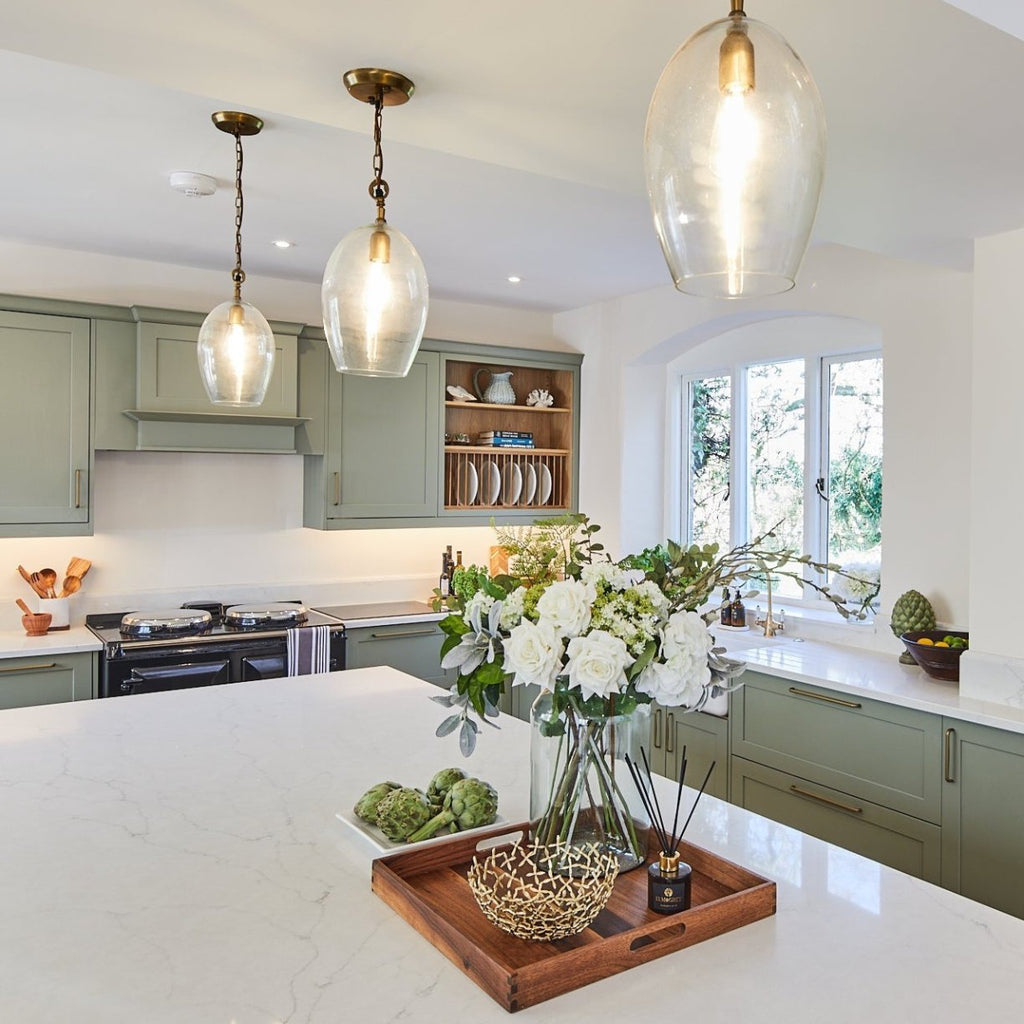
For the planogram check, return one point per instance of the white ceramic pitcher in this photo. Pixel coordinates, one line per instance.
(499, 390)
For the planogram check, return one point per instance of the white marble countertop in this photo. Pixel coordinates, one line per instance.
(382, 613)
(175, 857)
(15, 644)
(871, 674)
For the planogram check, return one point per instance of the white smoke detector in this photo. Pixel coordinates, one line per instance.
(192, 183)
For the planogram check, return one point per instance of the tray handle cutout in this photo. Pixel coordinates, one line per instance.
(647, 945)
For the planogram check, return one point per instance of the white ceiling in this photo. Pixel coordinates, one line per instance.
(520, 152)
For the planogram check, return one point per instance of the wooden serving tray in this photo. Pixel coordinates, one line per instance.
(428, 888)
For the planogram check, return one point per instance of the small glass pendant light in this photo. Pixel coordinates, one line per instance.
(236, 344)
(375, 291)
(734, 151)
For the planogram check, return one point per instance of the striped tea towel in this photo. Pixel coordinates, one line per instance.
(309, 650)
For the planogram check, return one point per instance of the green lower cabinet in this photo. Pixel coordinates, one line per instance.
(410, 647)
(983, 815)
(889, 837)
(27, 682)
(705, 739)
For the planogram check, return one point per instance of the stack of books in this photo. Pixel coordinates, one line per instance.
(506, 438)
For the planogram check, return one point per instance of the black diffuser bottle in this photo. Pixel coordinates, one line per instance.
(669, 878)
(668, 884)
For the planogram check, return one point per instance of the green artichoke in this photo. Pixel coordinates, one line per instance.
(441, 783)
(366, 805)
(912, 610)
(470, 803)
(401, 812)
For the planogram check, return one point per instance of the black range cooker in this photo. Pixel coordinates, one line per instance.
(203, 644)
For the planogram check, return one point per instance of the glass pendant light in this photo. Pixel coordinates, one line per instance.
(236, 344)
(374, 292)
(734, 151)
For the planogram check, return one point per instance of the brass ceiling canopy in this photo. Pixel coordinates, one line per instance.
(366, 84)
(234, 122)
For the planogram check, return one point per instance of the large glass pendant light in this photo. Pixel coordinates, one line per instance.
(236, 344)
(374, 292)
(734, 151)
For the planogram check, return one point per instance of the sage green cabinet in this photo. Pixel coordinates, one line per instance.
(413, 647)
(900, 841)
(706, 740)
(45, 478)
(47, 679)
(983, 814)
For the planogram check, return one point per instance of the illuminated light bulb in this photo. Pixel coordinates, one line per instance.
(236, 354)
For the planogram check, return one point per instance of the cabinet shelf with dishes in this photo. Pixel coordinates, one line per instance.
(537, 476)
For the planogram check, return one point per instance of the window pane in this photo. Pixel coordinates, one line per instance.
(775, 457)
(709, 403)
(855, 464)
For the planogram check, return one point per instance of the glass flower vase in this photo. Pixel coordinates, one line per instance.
(581, 791)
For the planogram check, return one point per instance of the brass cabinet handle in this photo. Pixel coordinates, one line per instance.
(403, 633)
(827, 700)
(657, 727)
(947, 766)
(78, 488)
(337, 488)
(30, 668)
(826, 800)
(670, 733)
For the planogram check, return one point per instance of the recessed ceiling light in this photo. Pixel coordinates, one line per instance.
(283, 243)
(514, 279)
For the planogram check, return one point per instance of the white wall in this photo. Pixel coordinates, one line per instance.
(923, 317)
(171, 525)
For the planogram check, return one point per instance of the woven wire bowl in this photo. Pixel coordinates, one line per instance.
(543, 892)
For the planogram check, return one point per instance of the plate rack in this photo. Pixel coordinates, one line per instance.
(501, 479)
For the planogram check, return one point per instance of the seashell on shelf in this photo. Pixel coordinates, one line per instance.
(460, 394)
(541, 398)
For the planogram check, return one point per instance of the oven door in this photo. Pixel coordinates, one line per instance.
(156, 672)
(271, 662)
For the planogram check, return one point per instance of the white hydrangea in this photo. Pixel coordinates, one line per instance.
(512, 609)
(653, 593)
(566, 606)
(608, 573)
(480, 602)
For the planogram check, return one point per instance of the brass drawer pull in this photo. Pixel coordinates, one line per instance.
(947, 767)
(827, 700)
(826, 800)
(657, 727)
(404, 633)
(670, 733)
(337, 488)
(78, 488)
(30, 668)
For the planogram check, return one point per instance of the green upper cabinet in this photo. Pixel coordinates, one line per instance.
(983, 814)
(45, 477)
(376, 447)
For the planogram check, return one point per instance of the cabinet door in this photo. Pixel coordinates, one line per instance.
(26, 682)
(983, 815)
(706, 739)
(898, 840)
(384, 443)
(414, 648)
(44, 413)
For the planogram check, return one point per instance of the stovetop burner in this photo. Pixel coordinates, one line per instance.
(282, 613)
(165, 622)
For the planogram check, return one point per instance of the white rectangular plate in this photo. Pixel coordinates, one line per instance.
(376, 838)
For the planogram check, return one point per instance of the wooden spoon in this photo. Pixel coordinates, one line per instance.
(79, 566)
(72, 584)
(24, 607)
(49, 578)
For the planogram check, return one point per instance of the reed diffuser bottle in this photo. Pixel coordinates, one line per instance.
(669, 884)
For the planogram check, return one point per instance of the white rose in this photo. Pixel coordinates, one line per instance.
(598, 663)
(534, 654)
(670, 686)
(566, 606)
(686, 634)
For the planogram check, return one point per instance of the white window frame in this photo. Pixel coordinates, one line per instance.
(817, 371)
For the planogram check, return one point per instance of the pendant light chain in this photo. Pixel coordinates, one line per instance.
(238, 274)
(379, 188)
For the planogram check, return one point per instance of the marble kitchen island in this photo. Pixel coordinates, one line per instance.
(175, 857)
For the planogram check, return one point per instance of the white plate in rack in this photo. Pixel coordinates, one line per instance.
(529, 484)
(511, 483)
(544, 485)
(490, 483)
(469, 484)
